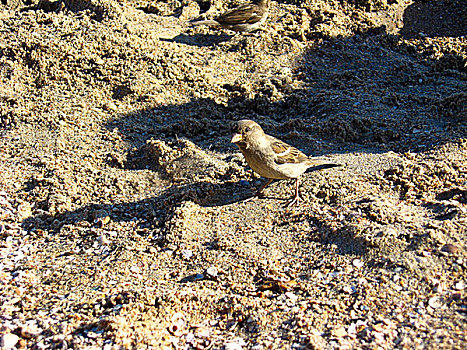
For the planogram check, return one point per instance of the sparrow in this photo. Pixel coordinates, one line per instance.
(271, 157)
(245, 18)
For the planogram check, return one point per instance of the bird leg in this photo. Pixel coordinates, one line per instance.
(296, 199)
(263, 186)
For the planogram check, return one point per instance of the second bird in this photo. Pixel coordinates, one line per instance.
(245, 18)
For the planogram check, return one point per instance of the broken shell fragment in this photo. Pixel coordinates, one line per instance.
(177, 324)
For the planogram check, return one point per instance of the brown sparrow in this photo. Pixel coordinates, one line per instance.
(245, 18)
(272, 158)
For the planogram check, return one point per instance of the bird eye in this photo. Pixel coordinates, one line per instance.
(247, 129)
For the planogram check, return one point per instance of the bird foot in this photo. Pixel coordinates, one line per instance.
(295, 201)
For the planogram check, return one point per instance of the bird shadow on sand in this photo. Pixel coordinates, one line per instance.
(200, 40)
(153, 214)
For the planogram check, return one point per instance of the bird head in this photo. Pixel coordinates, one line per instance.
(244, 131)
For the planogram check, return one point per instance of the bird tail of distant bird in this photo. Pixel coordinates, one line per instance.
(204, 22)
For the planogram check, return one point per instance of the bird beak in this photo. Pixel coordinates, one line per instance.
(236, 138)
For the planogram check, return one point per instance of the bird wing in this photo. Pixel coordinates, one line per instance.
(249, 13)
(285, 153)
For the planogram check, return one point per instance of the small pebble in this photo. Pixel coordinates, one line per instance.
(349, 289)
(24, 211)
(135, 269)
(211, 271)
(110, 106)
(460, 285)
(232, 346)
(8, 341)
(434, 302)
(379, 337)
(339, 332)
(187, 254)
(102, 240)
(357, 263)
(291, 296)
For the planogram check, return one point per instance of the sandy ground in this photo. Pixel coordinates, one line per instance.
(123, 214)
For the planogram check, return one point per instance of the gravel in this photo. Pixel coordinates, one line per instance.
(126, 217)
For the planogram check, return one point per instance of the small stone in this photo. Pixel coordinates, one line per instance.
(92, 335)
(360, 326)
(438, 288)
(4, 214)
(316, 341)
(22, 343)
(450, 248)
(59, 338)
(211, 272)
(102, 240)
(352, 329)
(460, 285)
(379, 327)
(190, 11)
(110, 106)
(434, 302)
(8, 341)
(24, 211)
(135, 269)
(232, 346)
(293, 297)
(101, 222)
(379, 337)
(339, 332)
(349, 289)
(187, 254)
(357, 263)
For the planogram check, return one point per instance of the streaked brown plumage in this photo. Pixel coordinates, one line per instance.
(245, 18)
(272, 158)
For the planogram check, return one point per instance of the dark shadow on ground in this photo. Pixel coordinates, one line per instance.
(200, 40)
(355, 96)
(155, 208)
(435, 18)
(154, 213)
